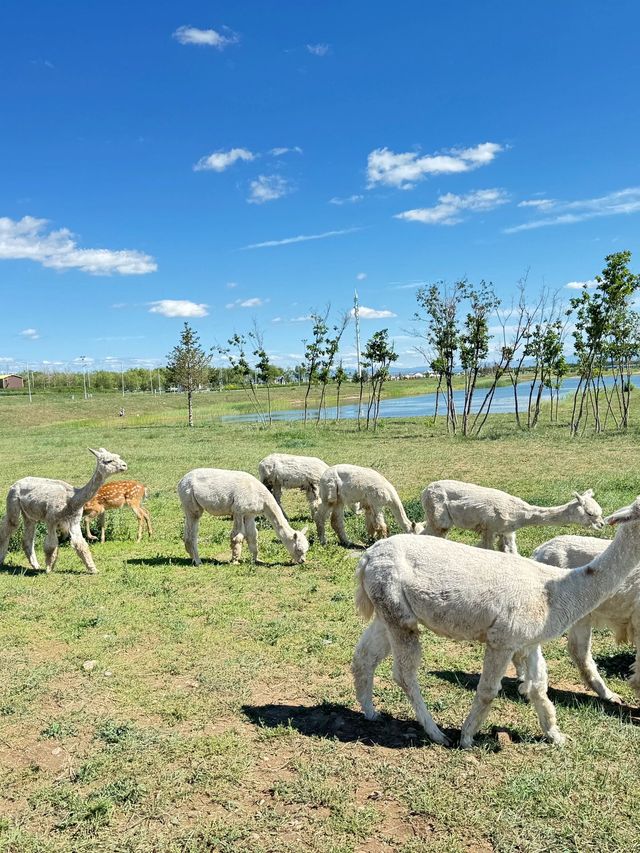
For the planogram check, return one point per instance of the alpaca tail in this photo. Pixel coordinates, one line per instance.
(364, 605)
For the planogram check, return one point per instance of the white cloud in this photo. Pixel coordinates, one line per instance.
(304, 318)
(624, 201)
(276, 319)
(221, 160)
(351, 199)
(537, 203)
(268, 188)
(361, 276)
(206, 38)
(450, 207)
(579, 285)
(301, 238)
(279, 152)
(178, 308)
(373, 313)
(404, 170)
(318, 49)
(409, 285)
(28, 239)
(232, 284)
(253, 302)
(30, 334)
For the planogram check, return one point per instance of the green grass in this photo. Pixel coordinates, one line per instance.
(220, 712)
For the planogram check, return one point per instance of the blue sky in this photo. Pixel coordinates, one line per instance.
(162, 160)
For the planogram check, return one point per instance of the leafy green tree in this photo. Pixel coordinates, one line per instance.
(474, 341)
(378, 356)
(188, 366)
(314, 352)
(339, 377)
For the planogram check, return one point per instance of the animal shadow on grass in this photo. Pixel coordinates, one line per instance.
(329, 720)
(617, 665)
(567, 698)
(28, 572)
(152, 562)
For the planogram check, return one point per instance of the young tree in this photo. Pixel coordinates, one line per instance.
(188, 365)
(263, 367)
(235, 352)
(314, 352)
(339, 377)
(474, 342)
(378, 355)
(331, 345)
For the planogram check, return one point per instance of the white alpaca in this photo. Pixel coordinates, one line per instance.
(280, 471)
(620, 613)
(491, 513)
(57, 504)
(241, 496)
(511, 604)
(343, 485)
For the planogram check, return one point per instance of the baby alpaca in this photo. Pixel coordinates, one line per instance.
(620, 613)
(280, 471)
(58, 505)
(505, 601)
(343, 485)
(491, 513)
(241, 496)
(114, 496)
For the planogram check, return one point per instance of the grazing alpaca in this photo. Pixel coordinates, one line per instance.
(241, 496)
(58, 505)
(620, 613)
(280, 471)
(511, 604)
(491, 513)
(344, 485)
(114, 496)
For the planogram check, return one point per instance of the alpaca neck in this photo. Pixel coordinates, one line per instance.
(547, 514)
(84, 494)
(582, 590)
(276, 519)
(400, 515)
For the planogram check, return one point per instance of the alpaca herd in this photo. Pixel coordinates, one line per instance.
(416, 578)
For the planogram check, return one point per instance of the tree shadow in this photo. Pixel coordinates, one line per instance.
(567, 698)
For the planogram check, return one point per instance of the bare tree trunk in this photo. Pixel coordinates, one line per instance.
(190, 407)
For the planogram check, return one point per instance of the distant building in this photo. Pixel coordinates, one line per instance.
(11, 381)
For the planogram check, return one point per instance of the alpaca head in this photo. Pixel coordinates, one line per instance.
(626, 514)
(299, 545)
(110, 463)
(589, 511)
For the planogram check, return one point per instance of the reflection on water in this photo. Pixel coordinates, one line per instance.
(422, 404)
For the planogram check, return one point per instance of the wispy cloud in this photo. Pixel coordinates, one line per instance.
(373, 313)
(279, 152)
(451, 207)
(206, 38)
(624, 201)
(407, 285)
(303, 318)
(406, 169)
(537, 203)
(30, 334)
(178, 308)
(29, 239)
(320, 49)
(301, 238)
(268, 188)
(589, 284)
(252, 302)
(221, 160)
(232, 285)
(350, 199)
(361, 276)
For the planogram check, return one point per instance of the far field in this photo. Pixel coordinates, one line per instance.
(219, 714)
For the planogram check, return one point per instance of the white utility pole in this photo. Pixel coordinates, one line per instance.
(356, 314)
(84, 376)
(29, 381)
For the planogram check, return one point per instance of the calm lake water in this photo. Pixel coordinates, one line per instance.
(421, 404)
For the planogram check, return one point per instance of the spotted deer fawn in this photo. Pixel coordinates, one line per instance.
(114, 496)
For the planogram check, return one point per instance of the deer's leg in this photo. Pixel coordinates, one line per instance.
(237, 538)
(372, 648)
(139, 514)
(87, 524)
(50, 548)
(190, 536)
(405, 646)
(28, 541)
(147, 518)
(81, 548)
(494, 666)
(103, 526)
(544, 707)
(579, 648)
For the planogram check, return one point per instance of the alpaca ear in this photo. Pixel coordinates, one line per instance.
(579, 498)
(627, 513)
(95, 452)
(588, 493)
(304, 530)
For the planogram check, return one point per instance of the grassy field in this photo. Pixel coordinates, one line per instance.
(219, 713)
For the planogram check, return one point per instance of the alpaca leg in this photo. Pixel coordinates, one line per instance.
(337, 522)
(545, 709)
(494, 666)
(519, 661)
(28, 542)
(190, 536)
(50, 548)
(237, 538)
(81, 548)
(9, 525)
(405, 645)
(321, 522)
(634, 681)
(370, 522)
(251, 534)
(313, 499)
(373, 647)
(380, 526)
(579, 648)
(507, 543)
(487, 539)
(276, 491)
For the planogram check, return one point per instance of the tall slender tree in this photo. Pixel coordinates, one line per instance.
(188, 365)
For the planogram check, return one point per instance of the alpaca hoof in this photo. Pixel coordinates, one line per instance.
(92, 571)
(556, 737)
(614, 699)
(372, 715)
(440, 738)
(466, 742)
